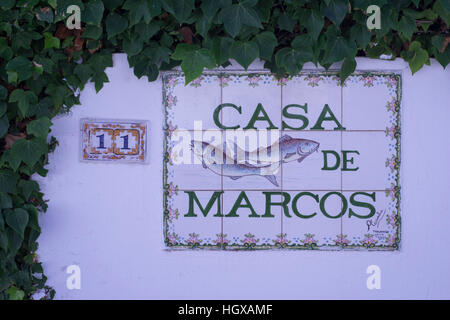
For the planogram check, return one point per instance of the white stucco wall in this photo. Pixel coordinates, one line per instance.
(118, 243)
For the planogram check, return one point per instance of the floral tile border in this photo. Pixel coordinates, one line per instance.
(392, 79)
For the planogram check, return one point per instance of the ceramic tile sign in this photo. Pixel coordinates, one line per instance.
(113, 140)
(256, 162)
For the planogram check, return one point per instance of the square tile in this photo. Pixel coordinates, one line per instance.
(186, 168)
(250, 96)
(253, 160)
(312, 92)
(186, 104)
(367, 100)
(376, 226)
(312, 223)
(249, 222)
(186, 223)
(312, 167)
(372, 160)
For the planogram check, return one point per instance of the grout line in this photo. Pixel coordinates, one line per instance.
(290, 190)
(221, 167)
(342, 123)
(281, 163)
(290, 130)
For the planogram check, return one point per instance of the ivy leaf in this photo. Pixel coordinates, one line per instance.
(4, 125)
(42, 109)
(29, 151)
(4, 246)
(291, 59)
(92, 32)
(24, 99)
(33, 223)
(7, 4)
(221, 47)
(157, 53)
(132, 46)
(8, 180)
(21, 66)
(445, 4)
(203, 25)
(304, 45)
(267, 42)
(50, 41)
(15, 294)
(3, 93)
(5, 51)
(5, 202)
(17, 220)
(112, 4)
(314, 24)
(419, 56)
(336, 11)
(84, 72)
(347, 68)
(285, 22)
(57, 92)
(236, 15)
(93, 12)
(3, 107)
(39, 127)
(139, 9)
(210, 7)
(28, 187)
(145, 67)
(361, 35)
(407, 26)
(115, 24)
(14, 241)
(438, 42)
(439, 8)
(244, 52)
(146, 31)
(181, 10)
(99, 79)
(193, 60)
(339, 49)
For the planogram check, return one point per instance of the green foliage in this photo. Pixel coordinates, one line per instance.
(44, 64)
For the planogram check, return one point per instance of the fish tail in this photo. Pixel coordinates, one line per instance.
(272, 179)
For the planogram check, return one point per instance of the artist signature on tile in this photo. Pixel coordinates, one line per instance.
(375, 222)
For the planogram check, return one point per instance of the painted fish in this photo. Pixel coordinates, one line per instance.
(225, 166)
(259, 162)
(289, 149)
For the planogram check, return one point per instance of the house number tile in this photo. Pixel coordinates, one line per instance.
(113, 140)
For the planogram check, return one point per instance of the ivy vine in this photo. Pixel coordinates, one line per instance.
(44, 65)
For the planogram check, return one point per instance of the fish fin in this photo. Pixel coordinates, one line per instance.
(288, 155)
(258, 165)
(300, 159)
(285, 138)
(272, 179)
(236, 177)
(204, 165)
